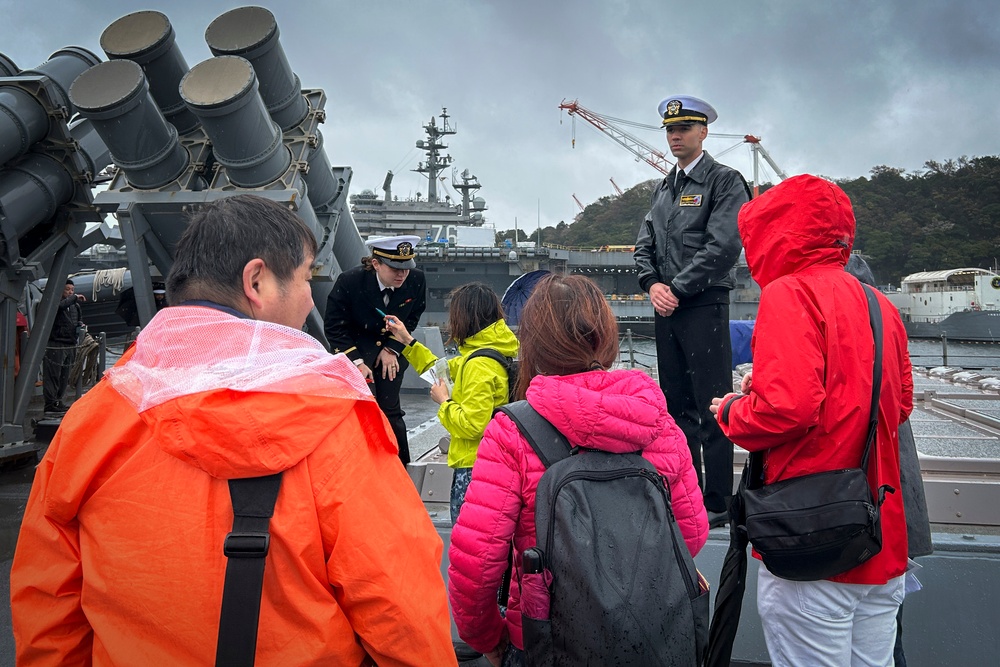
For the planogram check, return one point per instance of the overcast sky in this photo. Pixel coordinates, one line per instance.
(832, 88)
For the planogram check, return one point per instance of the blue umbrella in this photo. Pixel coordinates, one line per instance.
(517, 295)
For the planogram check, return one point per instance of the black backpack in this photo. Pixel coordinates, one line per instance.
(509, 364)
(624, 588)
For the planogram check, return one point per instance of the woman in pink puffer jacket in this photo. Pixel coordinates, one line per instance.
(569, 338)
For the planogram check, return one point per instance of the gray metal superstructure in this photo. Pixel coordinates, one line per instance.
(431, 217)
(448, 266)
(449, 259)
(238, 122)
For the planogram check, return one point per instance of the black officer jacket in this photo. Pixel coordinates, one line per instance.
(352, 323)
(692, 243)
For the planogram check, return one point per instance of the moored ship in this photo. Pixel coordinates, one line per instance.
(959, 304)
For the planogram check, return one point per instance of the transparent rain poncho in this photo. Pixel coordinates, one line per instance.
(186, 350)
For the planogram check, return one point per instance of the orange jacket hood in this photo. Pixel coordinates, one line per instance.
(801, 223)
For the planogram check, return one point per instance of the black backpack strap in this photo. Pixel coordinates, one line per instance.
(246, 548)
(875, 319)
(550, 446)
(548, 443)
(492, 354)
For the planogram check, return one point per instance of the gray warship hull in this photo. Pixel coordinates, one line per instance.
(980, 326)
(448, 267)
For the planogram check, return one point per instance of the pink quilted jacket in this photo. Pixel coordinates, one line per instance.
(615, 411)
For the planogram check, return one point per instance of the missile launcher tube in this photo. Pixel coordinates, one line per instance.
(223, 93)
(252, 33)
(115, 97)
(148, 39)
(24, 120)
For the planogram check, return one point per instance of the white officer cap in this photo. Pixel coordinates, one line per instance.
(684, 109)
(395, 251)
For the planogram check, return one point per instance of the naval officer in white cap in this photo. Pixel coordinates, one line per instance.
(386, 283)
(687, 247)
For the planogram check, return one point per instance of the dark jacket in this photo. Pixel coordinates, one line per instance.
(918, 524)
(691, 242)
(352, 323)
(68, 318)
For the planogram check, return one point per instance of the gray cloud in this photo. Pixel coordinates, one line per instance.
(833, 88)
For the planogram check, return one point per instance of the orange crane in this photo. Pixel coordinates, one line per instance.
(759, 150)
(654, 157)
(578, 203)
(615, 186)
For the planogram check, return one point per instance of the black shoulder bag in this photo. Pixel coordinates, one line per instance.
(820, 525)
(246, 548)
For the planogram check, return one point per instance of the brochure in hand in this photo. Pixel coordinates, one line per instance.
(439, 371)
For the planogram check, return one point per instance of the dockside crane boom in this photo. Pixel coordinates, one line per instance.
(759, 150)
(609, 126)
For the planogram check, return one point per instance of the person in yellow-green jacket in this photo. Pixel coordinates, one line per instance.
(479, 385)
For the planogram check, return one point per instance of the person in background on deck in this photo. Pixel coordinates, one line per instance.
(918, 524)
(685, 252)
(806, 409)
(60, 353)
(387, 283)
(20, 326)
(569, 341)
(120, 558)
(479, 386)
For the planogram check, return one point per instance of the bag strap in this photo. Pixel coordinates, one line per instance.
(549, 444)
(875, 319)
(755, 460)
(246, 548)
(492, 354)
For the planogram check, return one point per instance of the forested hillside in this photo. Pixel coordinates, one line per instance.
(946, 215)
(607, 221)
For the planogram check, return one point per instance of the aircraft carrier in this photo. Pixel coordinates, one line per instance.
(459, 246)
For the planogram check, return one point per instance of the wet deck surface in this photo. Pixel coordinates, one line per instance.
(939, 434)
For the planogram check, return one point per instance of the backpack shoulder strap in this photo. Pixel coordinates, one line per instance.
(246, 548)
(492, 354)
(550, 445)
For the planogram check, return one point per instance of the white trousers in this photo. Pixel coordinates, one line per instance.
(828, 624)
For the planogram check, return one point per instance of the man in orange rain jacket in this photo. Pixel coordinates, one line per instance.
(120, 557)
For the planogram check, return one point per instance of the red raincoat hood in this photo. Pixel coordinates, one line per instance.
(801, 223)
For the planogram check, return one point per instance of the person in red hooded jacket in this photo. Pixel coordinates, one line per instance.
(806, 408)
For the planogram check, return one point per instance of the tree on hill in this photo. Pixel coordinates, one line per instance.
(607, 221)
(945, 216)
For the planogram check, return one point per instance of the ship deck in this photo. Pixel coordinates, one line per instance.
(953, 620)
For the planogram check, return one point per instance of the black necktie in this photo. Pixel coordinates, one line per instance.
(386, 295)
(679, 185)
